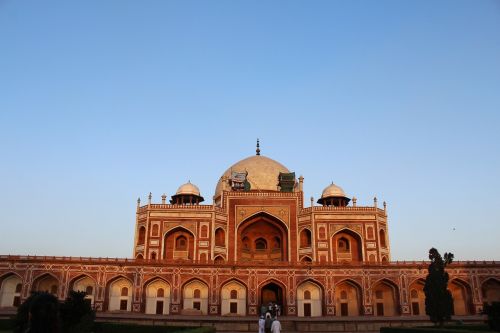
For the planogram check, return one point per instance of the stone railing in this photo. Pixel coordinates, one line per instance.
(347, 209)
(143, 209)
(106, 260)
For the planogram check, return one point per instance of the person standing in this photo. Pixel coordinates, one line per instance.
(262, 322)
(268, 323)
(276, 326)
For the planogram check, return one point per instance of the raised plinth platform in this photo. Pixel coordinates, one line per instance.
(290, 324)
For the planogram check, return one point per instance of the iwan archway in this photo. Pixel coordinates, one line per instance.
(273, 292)
(262, 237)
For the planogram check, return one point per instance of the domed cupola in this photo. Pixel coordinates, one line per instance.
(333, 195)
(256, 173)
(187, 194)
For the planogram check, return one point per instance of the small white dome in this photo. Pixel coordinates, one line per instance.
(188, 189)
(333, 190)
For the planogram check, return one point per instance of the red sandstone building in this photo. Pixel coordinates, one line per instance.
(257, 243)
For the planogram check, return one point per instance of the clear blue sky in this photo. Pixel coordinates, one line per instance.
(105, 101)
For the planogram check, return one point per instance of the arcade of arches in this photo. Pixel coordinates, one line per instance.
(310, 296)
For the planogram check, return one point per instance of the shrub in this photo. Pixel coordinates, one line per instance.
(493, 313)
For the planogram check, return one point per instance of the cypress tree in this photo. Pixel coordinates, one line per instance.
(438, 300)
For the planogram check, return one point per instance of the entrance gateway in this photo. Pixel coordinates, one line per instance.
(272, 292)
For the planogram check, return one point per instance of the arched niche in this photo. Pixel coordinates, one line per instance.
(309, 299)
(383, 238)
(219, 260)
(195, 297)
(347, 246)
(119, 294)
(178, 243)
(272, 291)
(85, 284)
(46, 283)
(141, 235)
(347, 299)
(385, 298)
(305, 238)
(233, 299)
(262, 237)
(491, 291)
(10, 291)
(220, 237)
(157, 297)
(417, 297)
(461, 294)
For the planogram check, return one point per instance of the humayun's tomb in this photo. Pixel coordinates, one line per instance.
(257, 242)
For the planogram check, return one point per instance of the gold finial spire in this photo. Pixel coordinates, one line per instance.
(257, 151)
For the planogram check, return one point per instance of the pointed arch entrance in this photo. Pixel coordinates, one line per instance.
(348, 298)
(273, 292)
(262, 237)
(347, 246)
(491, 291)
(10, 291)
(178, 243)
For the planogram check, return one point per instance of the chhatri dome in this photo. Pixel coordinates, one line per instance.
(333, 195)
(187, 194)
(262, 173)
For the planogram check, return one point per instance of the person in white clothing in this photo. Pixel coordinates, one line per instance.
(262, 321)
(276, 326)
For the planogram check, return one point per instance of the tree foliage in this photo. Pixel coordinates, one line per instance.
(38, 314)
(438, 300)
(493, 313)
(42, 312)
(76, 313)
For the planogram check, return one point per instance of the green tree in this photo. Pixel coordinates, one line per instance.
(76, 313)
(438, 300)
(38, 314)
(493, 312)
(42, 312)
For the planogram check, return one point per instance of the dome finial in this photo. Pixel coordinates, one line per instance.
(257, 151)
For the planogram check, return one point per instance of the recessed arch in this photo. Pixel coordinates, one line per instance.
(262, 214)
(114, 293)
(309, 298)
(195, 296)
(490, 290)
(462, 296)
(262, 237)
(10, 290)
(46, 282)
(156, 296)
(385, 297)
(347, 246)
(7, 274)
(383, 238)
(348, 295)
(141, 237)
(416, 297)
(84, 283)
(220, 237)
(272, 290)
(306, 259)
(233, 298)
(305, 238)
(219, 260)
(173, 246)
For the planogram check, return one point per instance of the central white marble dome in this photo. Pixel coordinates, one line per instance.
(262, 175)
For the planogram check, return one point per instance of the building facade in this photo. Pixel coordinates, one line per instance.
(257, 243)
